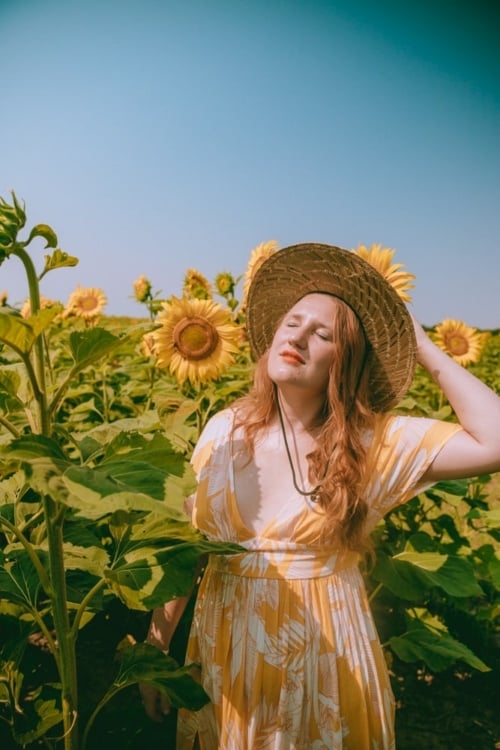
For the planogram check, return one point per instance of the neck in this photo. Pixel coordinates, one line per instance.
(302, 414)
(302, 423)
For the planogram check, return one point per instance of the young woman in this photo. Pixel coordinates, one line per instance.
(299, 472)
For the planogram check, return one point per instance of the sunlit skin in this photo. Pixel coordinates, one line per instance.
(302, 349)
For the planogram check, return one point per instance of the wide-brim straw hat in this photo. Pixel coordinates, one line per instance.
(292, 272)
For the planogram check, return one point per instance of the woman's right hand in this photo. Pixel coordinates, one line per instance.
(156, 704)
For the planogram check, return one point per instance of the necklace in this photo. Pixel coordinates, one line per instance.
(312, 494)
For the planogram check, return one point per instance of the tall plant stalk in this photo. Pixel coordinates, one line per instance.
(63, 647)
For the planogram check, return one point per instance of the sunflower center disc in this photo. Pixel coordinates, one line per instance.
(457, 345)
(195, 338)
(88, 303)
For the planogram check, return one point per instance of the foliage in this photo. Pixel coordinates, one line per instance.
(91, 498)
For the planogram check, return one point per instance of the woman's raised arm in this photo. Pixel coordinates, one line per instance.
(476, 448)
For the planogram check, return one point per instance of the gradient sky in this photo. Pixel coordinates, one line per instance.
(160, 136)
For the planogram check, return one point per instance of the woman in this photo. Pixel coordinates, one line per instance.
(298, 472)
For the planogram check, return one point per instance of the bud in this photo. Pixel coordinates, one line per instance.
(196, 285)
(142, 289)
(224, 283)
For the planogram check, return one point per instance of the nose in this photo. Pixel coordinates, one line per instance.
(296, 338)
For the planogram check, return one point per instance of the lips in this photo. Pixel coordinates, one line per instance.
(291, 356)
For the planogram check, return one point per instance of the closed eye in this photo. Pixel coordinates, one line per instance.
(324, 335)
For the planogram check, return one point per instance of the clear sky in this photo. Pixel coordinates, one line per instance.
(157, 136)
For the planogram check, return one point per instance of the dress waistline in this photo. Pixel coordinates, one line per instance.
(288, 564)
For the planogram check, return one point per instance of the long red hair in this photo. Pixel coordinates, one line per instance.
(338, 462)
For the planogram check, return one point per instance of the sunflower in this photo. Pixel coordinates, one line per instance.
(196, 285)
(224, 283)
(142, 289)
(381, 258)
(196, 339)
(460, 341)
(85, 303)
(3, 299)
(257, 257)
(45, 302)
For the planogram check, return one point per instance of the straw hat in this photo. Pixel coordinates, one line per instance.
(291, 273)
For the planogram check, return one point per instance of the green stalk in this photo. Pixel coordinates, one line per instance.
(42, 573)
(110, 694)
(375, 592)
(34, 291)
(64, 635)
(84, 604)
(9, 426)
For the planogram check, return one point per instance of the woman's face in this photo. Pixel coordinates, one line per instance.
(303, 348)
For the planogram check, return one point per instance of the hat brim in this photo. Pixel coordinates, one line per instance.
(292, 272)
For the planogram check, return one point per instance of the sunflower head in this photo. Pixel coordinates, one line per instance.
(86, 303)
(3, 299)
(45, 302)
(381, 259)
(460, 341)
(196, 285)
(142, 289)
(224, 284)
(196, 340)
(259, 254)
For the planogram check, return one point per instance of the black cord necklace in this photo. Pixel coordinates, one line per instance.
(312, 494)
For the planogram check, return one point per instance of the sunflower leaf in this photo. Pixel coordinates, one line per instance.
(89, 346)
(43, 230)
(58, 259)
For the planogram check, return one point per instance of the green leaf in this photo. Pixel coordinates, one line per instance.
(33, 446)
(58, 259)
(118, 477)
(19, 581)
(453, 486)
(90, 345)
(43, 230)
(491, 518)
(401, 579)
(157, 451)
(16, 333)
(92, 559)
(410, 575)
(430, 561)
(42, 319)
(147, 664)
(39, 715)
(494, 571)
(436, 648)
(9, 381)
(148, 576)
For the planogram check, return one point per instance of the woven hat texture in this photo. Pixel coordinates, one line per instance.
(292, 272)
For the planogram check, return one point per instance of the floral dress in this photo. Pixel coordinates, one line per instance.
(289, 653)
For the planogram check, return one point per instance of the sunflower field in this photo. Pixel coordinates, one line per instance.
(98, 419)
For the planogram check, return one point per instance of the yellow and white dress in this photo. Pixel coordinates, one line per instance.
(289, 653)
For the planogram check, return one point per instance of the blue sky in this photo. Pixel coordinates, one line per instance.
(159, 136)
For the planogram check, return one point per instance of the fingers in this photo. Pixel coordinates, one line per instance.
(164, 705)
(156, 705)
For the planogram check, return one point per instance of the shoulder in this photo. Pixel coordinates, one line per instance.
(215, 434)
(416, 431)
(400, 453)
(219, 424)
(397, 438)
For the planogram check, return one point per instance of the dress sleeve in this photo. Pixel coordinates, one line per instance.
(211, 460)
(406, 448)
(215, 434)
